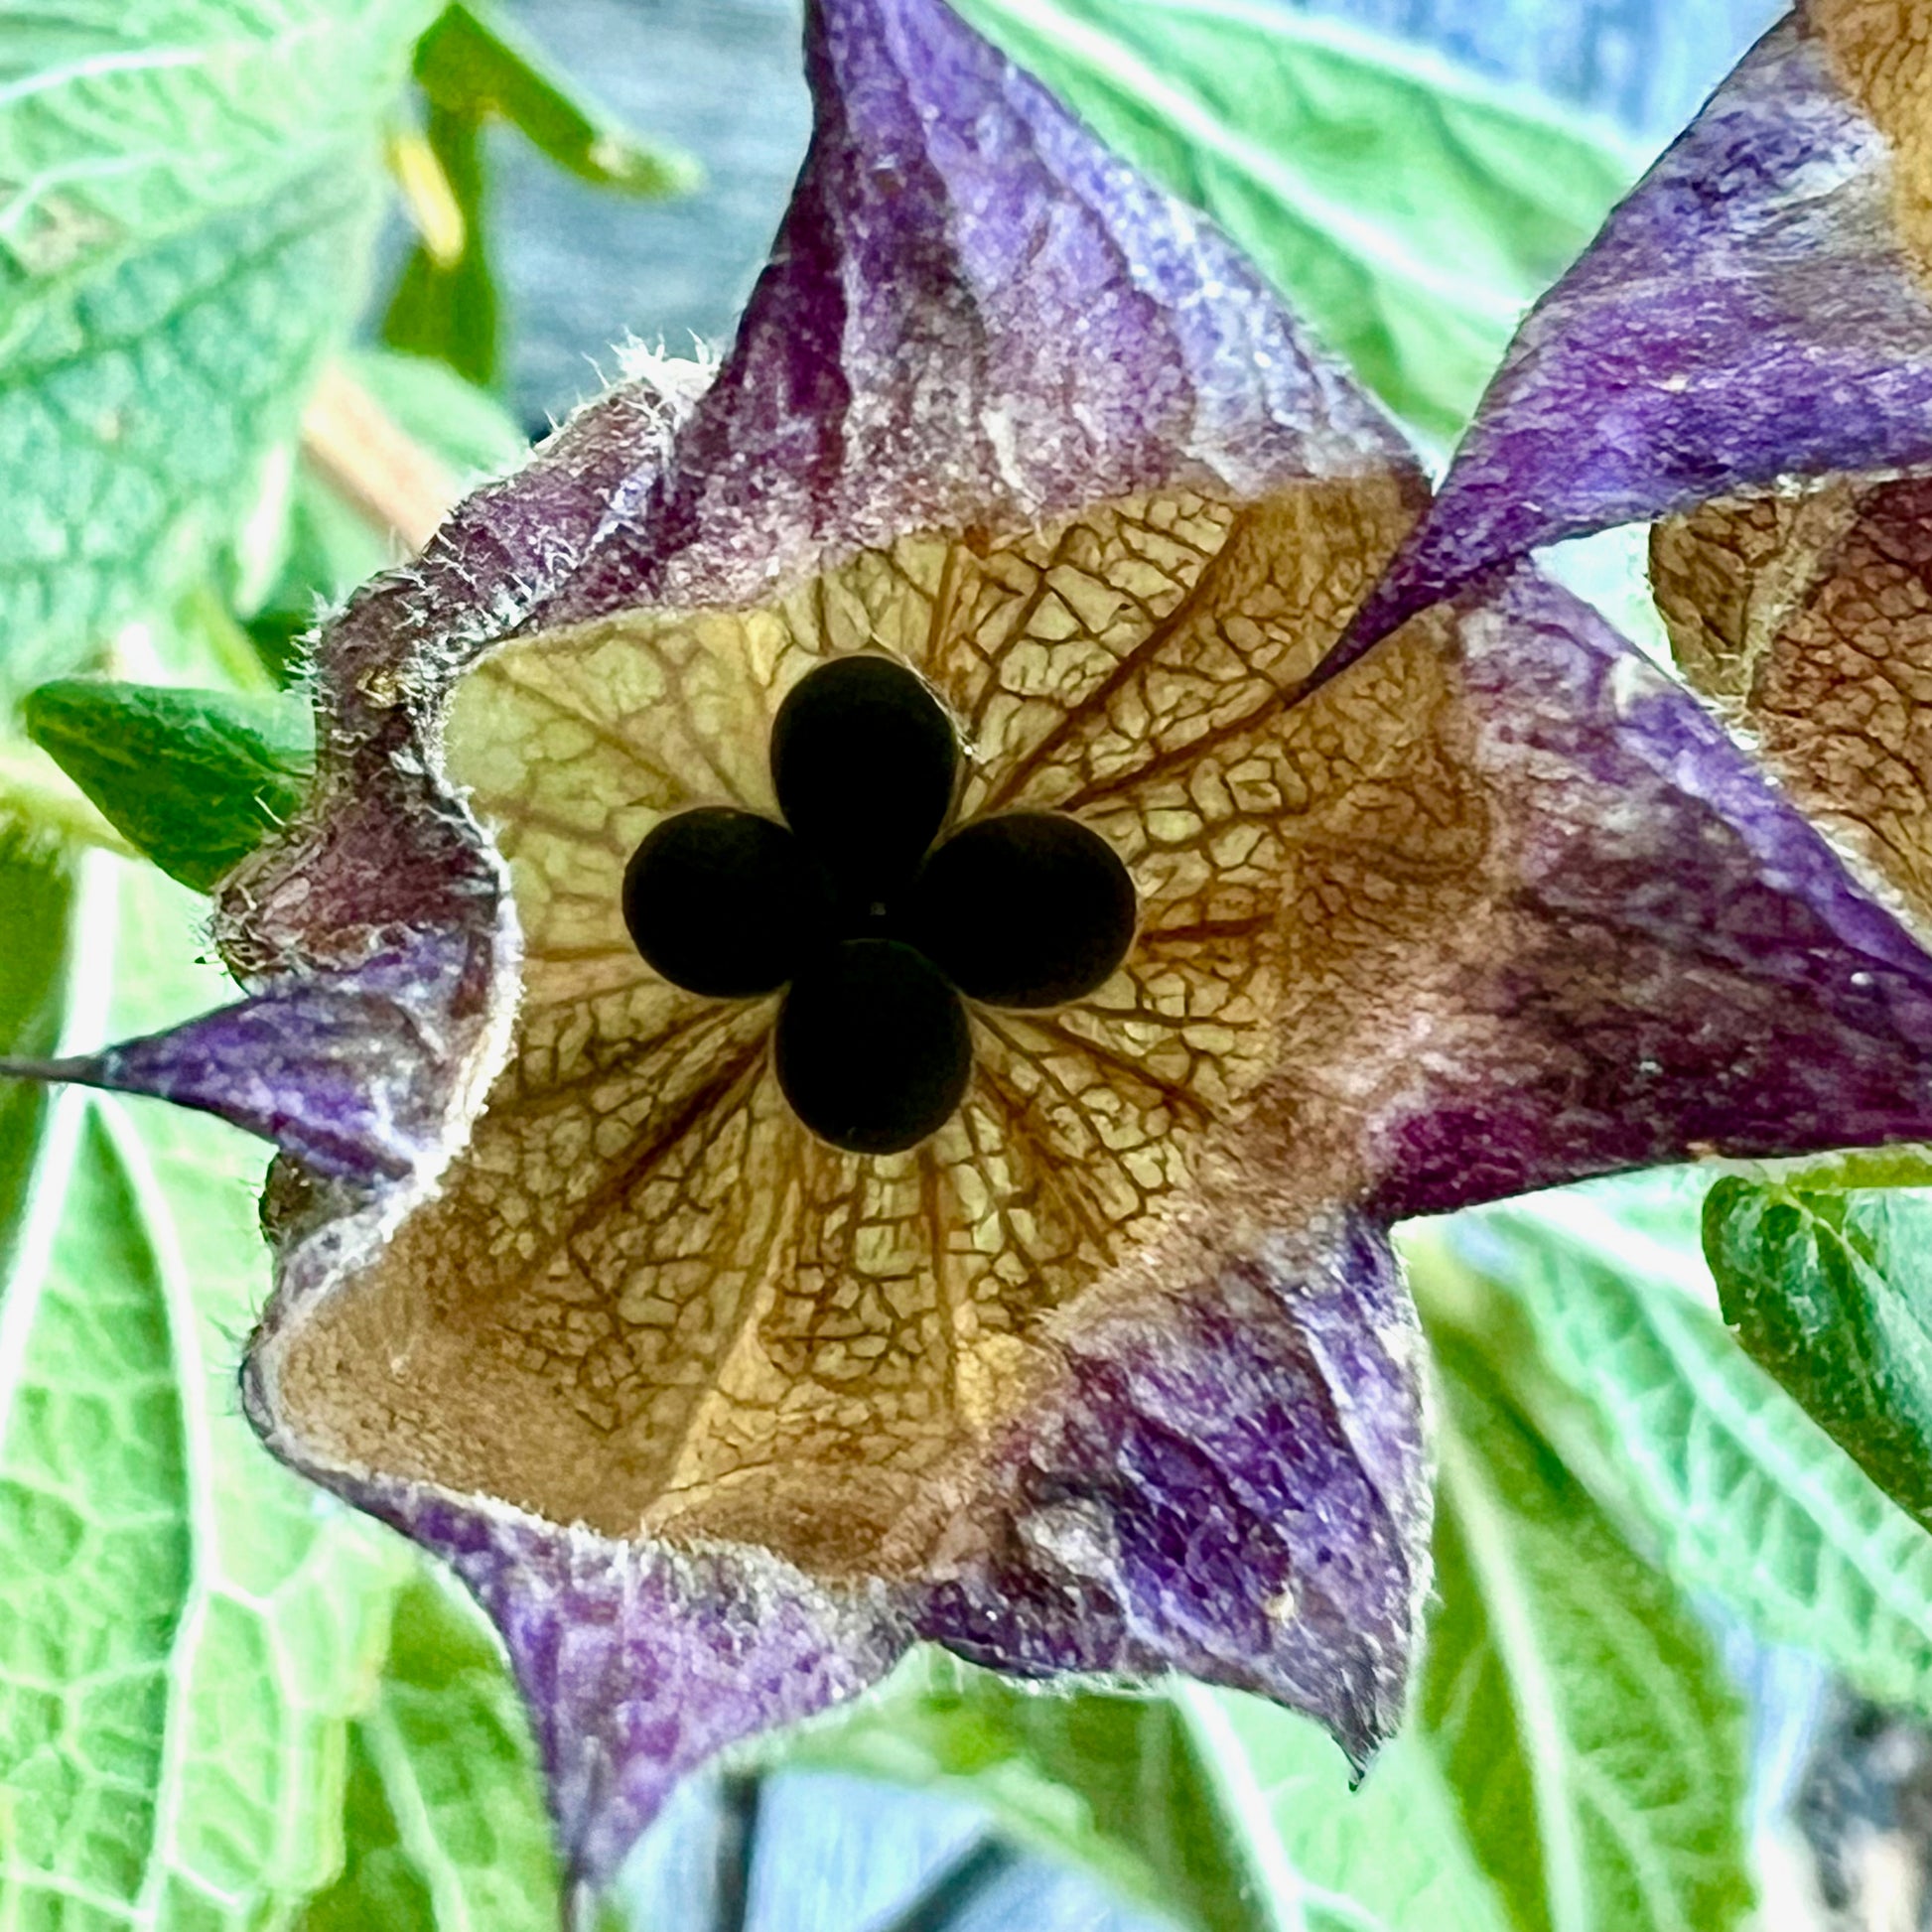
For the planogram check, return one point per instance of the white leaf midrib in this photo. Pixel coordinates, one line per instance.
(87, 984)
(1482, 1518)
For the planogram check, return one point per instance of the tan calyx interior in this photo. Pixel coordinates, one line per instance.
(1806, 612)
(1881, 50)
(648, 1295)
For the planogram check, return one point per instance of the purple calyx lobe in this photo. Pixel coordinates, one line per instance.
(872, 934)
(1748, 313)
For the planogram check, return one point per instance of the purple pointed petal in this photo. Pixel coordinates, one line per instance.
(350, 1072)
(639, 1664)
(1687, 965)
(975, 318)
(1749, 312)
(1233, 1484)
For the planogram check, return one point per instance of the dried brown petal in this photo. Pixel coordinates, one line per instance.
(1807, 614)
(649, 1296)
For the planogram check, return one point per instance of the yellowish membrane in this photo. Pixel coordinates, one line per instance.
(648, 1297)
(1807, 614)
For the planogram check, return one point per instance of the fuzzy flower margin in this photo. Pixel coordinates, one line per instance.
(1116, 1371)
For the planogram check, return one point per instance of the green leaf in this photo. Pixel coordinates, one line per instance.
(1113, 1782)
(195, 780)
(122, 127)
(380, 1885)
(1408, 210)
(189, 192)
(1616, 1348)
(1223, 1811)
(474, 62)
(138, 408)
(1581, 1718)
(1831, 1293)
(37, 933)
(447, 310)
(188, 1627)
(1389, 1858)
(446, 1827)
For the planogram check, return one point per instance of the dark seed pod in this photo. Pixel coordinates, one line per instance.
(724, 902)
(873, 1051)
(1029, 910)
(863, 759)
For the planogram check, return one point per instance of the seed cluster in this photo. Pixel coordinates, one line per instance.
(872, 929)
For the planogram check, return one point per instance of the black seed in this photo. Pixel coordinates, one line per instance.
(1029, 910)
(863, 757)
(873, 1051)
(724, 902)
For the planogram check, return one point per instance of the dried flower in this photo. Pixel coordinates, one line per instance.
(1106, 1362)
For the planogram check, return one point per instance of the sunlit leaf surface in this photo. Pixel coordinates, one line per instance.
(38, 921)
(1584, 1719)
(1705, 1459)
(445, 1825)
(189, 1626)
(1410, 208)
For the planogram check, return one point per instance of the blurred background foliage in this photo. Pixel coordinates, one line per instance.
(278, 280)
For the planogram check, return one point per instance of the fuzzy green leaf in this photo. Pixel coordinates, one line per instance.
(1410, 209)
(138, 408)
(122, 127)
(1831, 1293)
(186, 194)
(195, 780)
(1583, 1720)
(188, 1627)
(1616, 1344)
(446, 1825)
